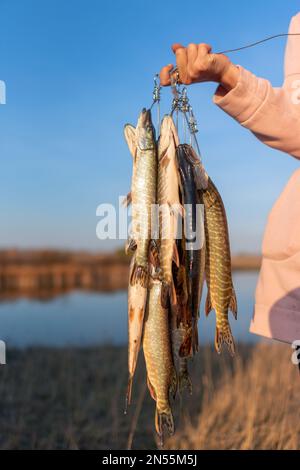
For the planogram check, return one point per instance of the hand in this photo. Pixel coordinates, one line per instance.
(196, 64)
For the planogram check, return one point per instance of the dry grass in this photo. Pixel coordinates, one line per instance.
(255, 407)
(74, 399)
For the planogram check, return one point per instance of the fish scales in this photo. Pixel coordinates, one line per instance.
(137, 297)
(194, 253)
(142, 143)
(158, 357)
(221, 294)
(168, 200)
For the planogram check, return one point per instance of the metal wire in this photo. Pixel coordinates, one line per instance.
(156, 99)
(181, 103)
(258, 42)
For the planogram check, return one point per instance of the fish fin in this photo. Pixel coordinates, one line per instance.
(181, 285)
(208, 306)
(177, 210)
(195, 338)
(130, 137)
(130, 246)
(127, 200)
(173, 294)
(154, 254)
(164, 419)
(200, 175)
(165, 295)
(201, 179)
(186, 346)
(224, 336)
(139, 275)
(175, 256)
(151, 389)
(233, 303)
(185, 382)
(168, 294)
(128, 393)
(164, 160)
(174, 384)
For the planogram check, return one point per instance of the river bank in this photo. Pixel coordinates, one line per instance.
(44, 274)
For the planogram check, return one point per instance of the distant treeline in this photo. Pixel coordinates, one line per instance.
(46, 273)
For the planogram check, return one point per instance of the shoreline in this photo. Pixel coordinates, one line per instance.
(45, 274)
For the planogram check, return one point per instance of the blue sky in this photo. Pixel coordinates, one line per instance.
(76, 71)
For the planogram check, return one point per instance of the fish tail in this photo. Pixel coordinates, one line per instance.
(224, 335)
(128, 393)
(164, 419)
(139, 275)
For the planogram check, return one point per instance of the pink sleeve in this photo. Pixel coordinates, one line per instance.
(272, 114)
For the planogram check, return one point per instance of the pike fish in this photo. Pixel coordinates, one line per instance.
(137, 297)
(161, 377)
(221, 295)
(193, 231)
(142, 144)
(169, 204)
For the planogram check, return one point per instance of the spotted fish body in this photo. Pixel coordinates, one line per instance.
(158, 356)
(221, 295)
(137, 297)
(195, 251)
(142, 143)
(168, 199)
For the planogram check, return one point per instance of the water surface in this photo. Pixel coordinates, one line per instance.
(85, 319)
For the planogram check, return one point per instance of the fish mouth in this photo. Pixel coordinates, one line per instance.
(145, 118)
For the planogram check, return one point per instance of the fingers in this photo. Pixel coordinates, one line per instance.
(192, 53)
(177, 46)
(190, 61)
(164, 75)
(203, 56)
(182, 62)
(204, 49)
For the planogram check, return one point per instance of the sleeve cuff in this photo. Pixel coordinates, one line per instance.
(245, 98)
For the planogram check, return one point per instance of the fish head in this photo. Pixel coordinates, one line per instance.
(145, 132)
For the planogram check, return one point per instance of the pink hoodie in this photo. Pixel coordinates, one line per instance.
(273, 115)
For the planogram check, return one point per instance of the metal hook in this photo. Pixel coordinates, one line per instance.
(156, 98)
(174, 75)
(175, 85)
(156, 89)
